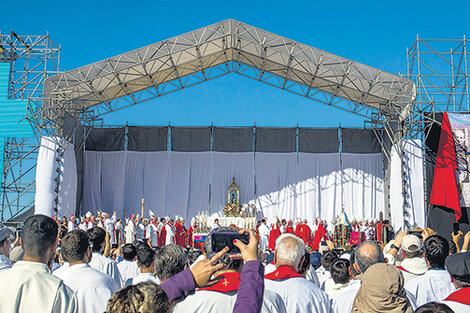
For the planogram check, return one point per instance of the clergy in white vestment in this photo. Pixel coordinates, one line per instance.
(263, 231)
(221, 297)
(170, 233)
(98, 261)
(92, 288)
(146, 263)
(28, 286)
(436, 283)
(72, 224)
(82, 224)
(108, 224)
(299, 294)
(153, 230)
(131, 230)
(140, 230)
(128, 267)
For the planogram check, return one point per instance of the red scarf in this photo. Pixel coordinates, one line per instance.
(282, 272)
(461, 296)
(402, 269)
(229, 283)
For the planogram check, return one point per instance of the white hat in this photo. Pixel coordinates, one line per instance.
(88, 214)
(411, 243)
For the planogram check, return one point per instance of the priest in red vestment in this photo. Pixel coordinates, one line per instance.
(191, 231)
(305, 232)
(273, 235)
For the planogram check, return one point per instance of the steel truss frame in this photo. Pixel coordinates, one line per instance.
(32, 59)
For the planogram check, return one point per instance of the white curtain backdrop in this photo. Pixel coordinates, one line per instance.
(415, 182)
(363, 184)
(396, 191)
(276, 176)
(318, 186)
(288, 185)
(46, 174)
(225, 166)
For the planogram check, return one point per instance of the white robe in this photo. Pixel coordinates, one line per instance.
(143, 277)
(205, 301)
(109, 228)
(89, 224)
(299, 295)
(457, 307)
(71, 226)
(29, 287)
(130, 232)
(170, 235)
(4, 262)
(128, 270)
(140, 231)
(322, 274)
(153, 234)
(434, 285)
(106, 266)
(343, 300)
(92, 288)
(263, 231)
(82, 226)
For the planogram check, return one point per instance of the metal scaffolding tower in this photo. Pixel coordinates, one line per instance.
(32, 59)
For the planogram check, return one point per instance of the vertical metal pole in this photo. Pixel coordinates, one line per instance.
(466, 69)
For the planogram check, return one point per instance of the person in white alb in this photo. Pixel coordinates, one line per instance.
(28, 286)
(221, 297)
(72, 224)
(153, 230)
(82, 224)
(131, 230)
(92, 288)
(299, 294)
(99, 262)
(263, 231)
(436, 283)
(128, 268)
(170, 232)
(108, 224)
(146, 262)
(5, 246)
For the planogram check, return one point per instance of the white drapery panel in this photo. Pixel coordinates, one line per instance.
(288, 185)
(45, 178)
(363, 184)
(396, 191)
(225, 166)
(415, 182)
(276, 177)
(318, 187)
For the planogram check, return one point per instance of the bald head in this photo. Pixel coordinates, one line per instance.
(368, 253)
(289, 251)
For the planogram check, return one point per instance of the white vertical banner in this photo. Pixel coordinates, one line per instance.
(396, 191)
(414, 174)
(48, 162)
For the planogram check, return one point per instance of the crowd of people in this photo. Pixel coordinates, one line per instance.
(65, 265)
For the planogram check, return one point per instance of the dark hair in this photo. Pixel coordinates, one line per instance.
(460, 283)
(340, 271)
(74, 245)
(436, 250)
(452, 247)
(352, 260)
(139, 244)
(365, 260)
(129, 252)
(229, 263)
(169, 261)
(38, 234)
(413, 254)
(97, 236)
(328, 258)
(216, 220)
(193, 254)
(145, 297)
(145, 257)
(434, 307)
(305, 264)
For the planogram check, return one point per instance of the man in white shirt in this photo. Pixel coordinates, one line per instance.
(92, 288)
(72, 224)
(263, 235)
(5, 246)
(28, 286)
(299, 294)
(221, 297)
(128, 267)
(108, 224)
(146, 263)
(340, 274)
(435, 284)
(98, 261)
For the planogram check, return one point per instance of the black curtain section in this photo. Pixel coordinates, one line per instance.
(105, 139)
(275, 139)
(232, 139)
(439, 218)
(318, 140)
(147, 138)
(78, 148)
(190, 139)
(359, 141)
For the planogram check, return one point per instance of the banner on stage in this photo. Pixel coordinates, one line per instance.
(460, 124)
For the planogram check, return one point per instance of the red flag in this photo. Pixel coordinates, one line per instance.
(444, 186)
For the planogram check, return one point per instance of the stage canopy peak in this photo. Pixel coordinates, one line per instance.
(226, 47)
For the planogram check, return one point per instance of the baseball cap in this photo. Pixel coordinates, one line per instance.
(5, 231)
(411, 243)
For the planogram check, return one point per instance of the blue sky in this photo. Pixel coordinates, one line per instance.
(372, 32)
